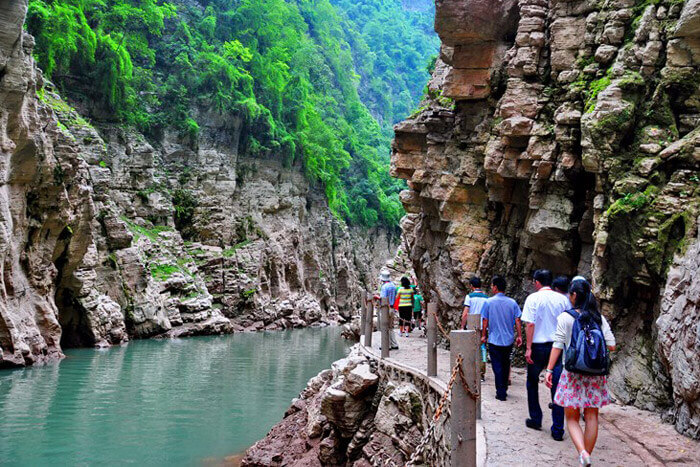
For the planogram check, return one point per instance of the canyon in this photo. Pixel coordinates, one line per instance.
(553, 134)
(109, 236)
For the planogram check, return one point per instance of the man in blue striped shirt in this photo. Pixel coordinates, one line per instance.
(473, 304)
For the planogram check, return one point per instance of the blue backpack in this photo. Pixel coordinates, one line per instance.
(587, 354)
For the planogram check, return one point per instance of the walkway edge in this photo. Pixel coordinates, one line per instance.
(437, 385)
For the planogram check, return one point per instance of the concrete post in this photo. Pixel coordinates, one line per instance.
(474, 323)
(384, 326)
(431, 331)
(369, 321)
(363, 314)
(463, 410)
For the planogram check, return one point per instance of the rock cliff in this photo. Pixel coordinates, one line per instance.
(355, 413)
(107, 235)
(564, 134)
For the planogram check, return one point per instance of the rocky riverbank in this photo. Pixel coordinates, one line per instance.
(564, 134)
(107, 236)
(351, 414)
(628, 436)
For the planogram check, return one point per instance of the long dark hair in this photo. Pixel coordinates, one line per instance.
(586, 302)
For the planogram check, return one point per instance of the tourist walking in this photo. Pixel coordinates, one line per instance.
(500, 314)
(405, 297)
(561, 284)
(417, 307)
(540, 312)
(473, 303)
(388, 291)
(582, 330)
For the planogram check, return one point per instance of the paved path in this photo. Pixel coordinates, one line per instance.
(627, 437)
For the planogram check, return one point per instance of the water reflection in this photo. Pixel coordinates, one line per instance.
(158, 402)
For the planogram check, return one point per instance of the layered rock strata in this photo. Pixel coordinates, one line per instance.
(563, 134)
(107, 236)
(360, 412)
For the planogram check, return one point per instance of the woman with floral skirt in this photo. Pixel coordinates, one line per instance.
(577, 391)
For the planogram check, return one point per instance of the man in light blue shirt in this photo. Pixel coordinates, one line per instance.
(388, 290)
(501, 315)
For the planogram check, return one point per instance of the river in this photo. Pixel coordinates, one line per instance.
(158, 402)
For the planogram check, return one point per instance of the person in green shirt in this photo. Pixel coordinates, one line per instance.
(417, 307)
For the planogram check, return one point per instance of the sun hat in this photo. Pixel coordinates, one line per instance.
(385, 275)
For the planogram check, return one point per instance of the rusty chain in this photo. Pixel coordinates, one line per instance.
(423, 443)
(463, 379)
(439, 325)
(458, 365)
(456, 371)
(420, 448)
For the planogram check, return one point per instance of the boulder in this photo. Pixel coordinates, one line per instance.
(605, 53)
(342, 410)
(400, 415)
(689, 23)
(346, 365)
(359, 380)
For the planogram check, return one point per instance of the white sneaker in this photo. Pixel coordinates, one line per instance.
(584, 458)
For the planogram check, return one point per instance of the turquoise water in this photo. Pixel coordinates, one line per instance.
(158, 402)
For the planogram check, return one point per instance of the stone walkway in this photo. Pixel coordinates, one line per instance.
(627, 437)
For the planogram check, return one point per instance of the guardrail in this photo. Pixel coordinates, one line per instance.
(463, 389)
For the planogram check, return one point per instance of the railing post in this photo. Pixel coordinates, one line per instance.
(474, 323)
(463, 411)
(369, 321)
(431, 331)
(384, 326)
(363, 314)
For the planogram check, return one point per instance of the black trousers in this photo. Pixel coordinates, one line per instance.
(540, 357)
(500, 362)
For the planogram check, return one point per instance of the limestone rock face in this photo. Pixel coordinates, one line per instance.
(47, 235)
(564, 134)
(347, 415)
(679, 338)
(399, 417)
(342, 410)
(106, 235)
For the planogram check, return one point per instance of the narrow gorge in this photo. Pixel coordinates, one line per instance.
(202, 226)
(212, 167)
(556, 134)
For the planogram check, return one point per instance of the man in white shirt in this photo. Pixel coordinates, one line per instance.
(540, 312)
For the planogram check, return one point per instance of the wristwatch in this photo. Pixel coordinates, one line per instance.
(547, 370)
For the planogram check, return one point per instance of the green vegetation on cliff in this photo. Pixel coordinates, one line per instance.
(295, 72)
(391, 49)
